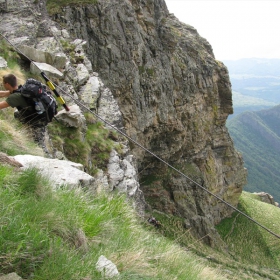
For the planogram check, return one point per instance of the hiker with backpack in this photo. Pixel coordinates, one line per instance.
(15, 99)
(35, 105)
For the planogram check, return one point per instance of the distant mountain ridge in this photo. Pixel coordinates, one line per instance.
(254, 66)
(257, 136)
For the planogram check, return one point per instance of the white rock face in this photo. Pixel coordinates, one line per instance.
(59, 172)
(41, 54)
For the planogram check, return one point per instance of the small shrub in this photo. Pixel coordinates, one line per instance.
(54, 6)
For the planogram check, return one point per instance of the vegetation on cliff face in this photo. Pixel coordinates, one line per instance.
(91, 147)
(54, 6)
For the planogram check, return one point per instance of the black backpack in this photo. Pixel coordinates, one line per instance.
(39, 97)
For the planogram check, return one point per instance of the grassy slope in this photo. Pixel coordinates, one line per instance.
(249, 243)
(60, 235)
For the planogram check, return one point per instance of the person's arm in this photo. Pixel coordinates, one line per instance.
(3, 105)
(4, 93)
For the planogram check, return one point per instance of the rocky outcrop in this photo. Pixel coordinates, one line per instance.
(121, 175)
(156, 79)
(72, 118)
(267, 198)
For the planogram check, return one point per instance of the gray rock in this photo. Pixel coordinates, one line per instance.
(123, 177)
(72, 118)
(60, 172)
(3, 63)
(44, 53)
(106, 267)
(49, 70)
(108, 108)
(82, 74)
(116, 173)
(90, 92)
(266, 197)
(14, 5)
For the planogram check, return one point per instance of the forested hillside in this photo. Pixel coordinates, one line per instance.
(257, 136)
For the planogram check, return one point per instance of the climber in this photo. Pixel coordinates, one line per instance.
(25, 110)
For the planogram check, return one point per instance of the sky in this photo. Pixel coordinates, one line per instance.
(234, 28)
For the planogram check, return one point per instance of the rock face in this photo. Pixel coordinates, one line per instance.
(164, 88)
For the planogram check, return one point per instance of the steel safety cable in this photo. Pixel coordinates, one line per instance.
(151, 153)
(172, 167)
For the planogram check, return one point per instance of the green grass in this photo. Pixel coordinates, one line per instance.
(93, 150)
(250, 244)
(8, 53)
(47, 234)
(61, 234)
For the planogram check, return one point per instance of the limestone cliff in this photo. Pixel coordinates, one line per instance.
(173, 97)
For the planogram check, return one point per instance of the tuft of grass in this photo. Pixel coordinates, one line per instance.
(93, 150)
(14, 137)
(9, 54)
(54, 7)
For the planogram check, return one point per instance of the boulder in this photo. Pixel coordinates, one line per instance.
(72, 118)
(57, 59)
(59, 172)
(106, 267)
(50, 71)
